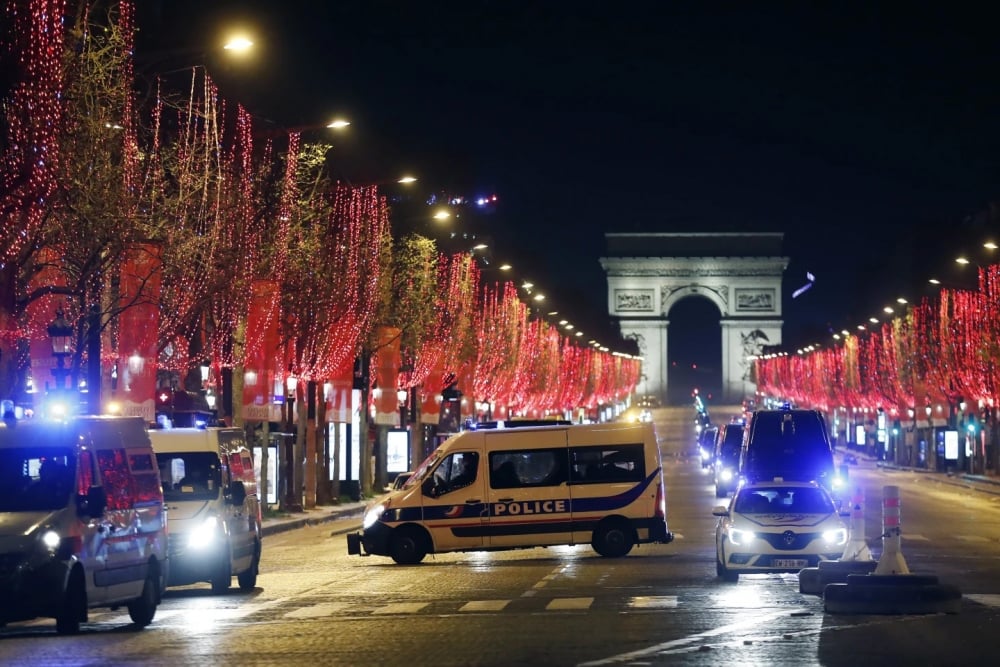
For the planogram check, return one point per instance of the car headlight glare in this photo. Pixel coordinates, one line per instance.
(838, 482)
(51, 540)
(205, 534)
(727, 475)
(835, 537)
(741, 537)
(372, 515)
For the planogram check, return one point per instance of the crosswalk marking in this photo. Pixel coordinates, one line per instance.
(317, 610)
(484, 605)
(401, 608)
(990, 600)
(915, 537)
(972, 538)
(563, 604)
(653, 602)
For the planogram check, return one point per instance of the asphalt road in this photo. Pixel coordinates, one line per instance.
(661, 605)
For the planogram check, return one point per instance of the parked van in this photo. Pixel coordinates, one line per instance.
(790, 444)
(82, 520)
(600, 484)
(215, 515)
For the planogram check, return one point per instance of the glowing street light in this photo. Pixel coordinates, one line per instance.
(238, 44)
(339, 124)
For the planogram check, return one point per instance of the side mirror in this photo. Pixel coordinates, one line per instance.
(237, 493)
(720, 510)
(94, 503)
(430, 488)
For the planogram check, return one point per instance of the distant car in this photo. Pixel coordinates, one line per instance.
(400, 480)
(777, 527)
(648, 401)
(646, 415)
(726, 462)
(706, 445)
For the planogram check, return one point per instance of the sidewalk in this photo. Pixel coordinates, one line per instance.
(989, 483)
(349, 514)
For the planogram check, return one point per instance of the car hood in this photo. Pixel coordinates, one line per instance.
(783, 519)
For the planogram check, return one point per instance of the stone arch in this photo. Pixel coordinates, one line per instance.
(738, 272)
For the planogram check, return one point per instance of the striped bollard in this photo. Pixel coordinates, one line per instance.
(891, 561)
(856, 548)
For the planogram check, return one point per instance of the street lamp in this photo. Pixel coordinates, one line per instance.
(61, 334)
(292, 503)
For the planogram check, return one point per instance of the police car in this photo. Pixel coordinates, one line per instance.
(777, 526)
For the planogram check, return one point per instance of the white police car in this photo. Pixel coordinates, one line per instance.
(777, 526)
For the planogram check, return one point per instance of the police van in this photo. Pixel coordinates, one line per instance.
(494, 489)
(82, 520)
(214, 513)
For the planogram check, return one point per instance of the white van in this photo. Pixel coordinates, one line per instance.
(600, 484)
(82, 520)
(214, 512)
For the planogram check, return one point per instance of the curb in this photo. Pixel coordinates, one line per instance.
(301, 522)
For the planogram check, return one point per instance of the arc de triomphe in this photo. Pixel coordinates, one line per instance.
(738, 272)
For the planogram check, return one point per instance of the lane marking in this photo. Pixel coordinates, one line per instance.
(972, 538)
(317, 611)
(988, 599)
(653, 602)
(564, 604)
(684, 641)
(484, 605)
(401, 608)
(915, 537)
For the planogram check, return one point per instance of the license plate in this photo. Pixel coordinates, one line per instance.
(789, 562)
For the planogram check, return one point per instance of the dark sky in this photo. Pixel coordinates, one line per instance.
(868, 135)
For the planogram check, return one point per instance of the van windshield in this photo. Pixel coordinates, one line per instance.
(36, 479)
(190, 475)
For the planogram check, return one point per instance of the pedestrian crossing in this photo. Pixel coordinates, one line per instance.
(205, 618)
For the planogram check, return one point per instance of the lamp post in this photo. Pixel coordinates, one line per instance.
(61, 334)
(292, 503)
(401, 396)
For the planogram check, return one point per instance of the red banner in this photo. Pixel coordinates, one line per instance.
(137, 331)
(387, 370)
(262, 370)
(338, 393)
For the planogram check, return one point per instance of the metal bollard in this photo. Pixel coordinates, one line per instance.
(891, 561)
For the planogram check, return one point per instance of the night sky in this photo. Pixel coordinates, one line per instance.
(867, 135)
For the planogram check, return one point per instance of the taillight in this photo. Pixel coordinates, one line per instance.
(661, 502)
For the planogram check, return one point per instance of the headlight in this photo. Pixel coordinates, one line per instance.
(727, 475)
(835, 537)
(741, 537)
(705, 455)
(51, 540)
(837, 482)
(205, 534)
(372, 515)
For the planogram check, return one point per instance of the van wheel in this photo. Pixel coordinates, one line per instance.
(223, 577)
(74, 606)
(613, 538)
(406, 546)
(248, 578)
(142, 609)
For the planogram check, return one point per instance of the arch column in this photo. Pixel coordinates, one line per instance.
(651, 337)
(741, 339)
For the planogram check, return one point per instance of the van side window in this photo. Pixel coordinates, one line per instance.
(527, 467)
(455, 472)
(146, 478)
(85, 472)
(610, 463)
(117, 482)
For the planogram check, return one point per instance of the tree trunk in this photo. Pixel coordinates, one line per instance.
(310, 446)
(323, 496)
(365, 464)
